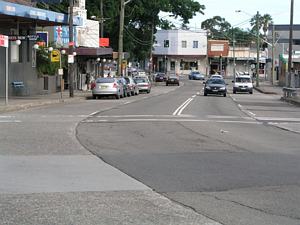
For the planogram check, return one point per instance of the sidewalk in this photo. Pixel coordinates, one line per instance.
(16, 103)
(266, 87)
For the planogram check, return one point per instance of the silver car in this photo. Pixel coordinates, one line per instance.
(106, 86)
(143, 83)
(134, 89)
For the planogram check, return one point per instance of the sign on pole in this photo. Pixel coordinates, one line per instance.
(4, 43)
(55, 56)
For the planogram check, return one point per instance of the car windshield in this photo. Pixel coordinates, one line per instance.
(243, 80)
(215, 81)
(196, 73)
(141, 80)
(105, 80)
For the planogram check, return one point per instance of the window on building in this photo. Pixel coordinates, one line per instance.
(14, 52)
(166, 43)
(195, 44)
(183, 44)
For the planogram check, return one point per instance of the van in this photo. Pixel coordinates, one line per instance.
(243, 83)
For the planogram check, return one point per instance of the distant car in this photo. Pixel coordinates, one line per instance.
(143, 83)
(107, 86)
(216, 76)
(172, 79)
(126, 88)
(160, 77)
(215, 86)
(243, 83)
(195, 75)
(134, 89)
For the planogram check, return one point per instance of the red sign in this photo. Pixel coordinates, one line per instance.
(71, 43)
(3, 41)
(104, 42)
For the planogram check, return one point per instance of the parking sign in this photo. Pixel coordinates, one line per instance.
(3, 41)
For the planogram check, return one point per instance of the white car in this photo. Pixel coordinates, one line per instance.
(243, 83)
(216, 76)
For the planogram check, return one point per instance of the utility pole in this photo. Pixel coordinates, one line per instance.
(233, 53)
(257, 49)
(273, 55)
(121, 30)
(290, 47)
(151, 46)
(101, 19)
(71, 50)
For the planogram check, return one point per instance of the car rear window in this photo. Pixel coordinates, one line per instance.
(215, 81)
(242, 80)
(141, 80)
(105, 80)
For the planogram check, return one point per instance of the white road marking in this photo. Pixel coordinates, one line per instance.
(228, 117)
(94, 113)
(278, 119)
(251, 113)
(179, 110)
(170, 120)
(125, 103)
(10, 121)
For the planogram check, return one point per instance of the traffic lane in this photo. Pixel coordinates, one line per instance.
(162, 104)
(194, 157)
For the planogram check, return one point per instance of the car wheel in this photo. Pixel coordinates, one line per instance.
(251, 92)
(234, 91)
(224, 94)
(117, 96)
(94, 96)
(148, 91)
(205, 94)
(167, 84)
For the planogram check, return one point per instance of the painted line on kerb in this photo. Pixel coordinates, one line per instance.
(10, 121)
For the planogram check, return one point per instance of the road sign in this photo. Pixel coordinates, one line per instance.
(3, 41)
(55, 56)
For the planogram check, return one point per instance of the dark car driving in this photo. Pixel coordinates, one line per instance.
(215, 86)
(160, 77)
(172, 79)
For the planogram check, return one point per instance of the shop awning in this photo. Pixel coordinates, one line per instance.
(26, 15)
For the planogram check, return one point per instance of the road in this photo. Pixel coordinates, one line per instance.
(228, 160)
(223, 157)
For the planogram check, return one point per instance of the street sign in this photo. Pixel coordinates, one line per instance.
(70, 58)
(55, 56)
(60, 72)
(3, 41)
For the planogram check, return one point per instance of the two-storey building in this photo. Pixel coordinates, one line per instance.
(180, 51)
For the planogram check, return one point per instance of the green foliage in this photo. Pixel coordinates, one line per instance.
(43, 64)
(263, 23)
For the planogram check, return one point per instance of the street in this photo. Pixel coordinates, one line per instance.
(225, 159)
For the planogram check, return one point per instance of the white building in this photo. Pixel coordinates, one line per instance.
(180, 51)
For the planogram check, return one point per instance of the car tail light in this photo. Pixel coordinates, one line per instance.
(93, 85)
(115, 85)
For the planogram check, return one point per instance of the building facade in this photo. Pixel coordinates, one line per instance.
(180, 51)
(19, 21)
(281, 51)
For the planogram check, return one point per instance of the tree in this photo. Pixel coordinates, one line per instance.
(263, 23)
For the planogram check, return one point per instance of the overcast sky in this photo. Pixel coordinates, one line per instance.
(278, 9)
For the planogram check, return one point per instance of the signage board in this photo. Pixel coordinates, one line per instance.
(55, 56)
(3, 41)
(70, 58)
(104, 42)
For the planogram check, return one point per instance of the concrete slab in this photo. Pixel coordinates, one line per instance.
(77, 173)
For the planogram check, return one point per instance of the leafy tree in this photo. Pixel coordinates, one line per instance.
(263, 23)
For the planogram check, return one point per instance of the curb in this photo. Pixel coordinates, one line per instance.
(265, 92)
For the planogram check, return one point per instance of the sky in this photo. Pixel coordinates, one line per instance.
(278, 9)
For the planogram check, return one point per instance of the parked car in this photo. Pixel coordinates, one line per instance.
(143, 84)
(107, 86)
(172, 79)
(195, 75)
(215, 86)
(134, 89)
(243, 83)
(126, 88)
(160, 77)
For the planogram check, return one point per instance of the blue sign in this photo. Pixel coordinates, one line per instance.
(61, 36)
(42, 37)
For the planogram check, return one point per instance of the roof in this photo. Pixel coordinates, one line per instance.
(31, 16)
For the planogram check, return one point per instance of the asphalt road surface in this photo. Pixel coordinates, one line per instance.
(223, 157)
